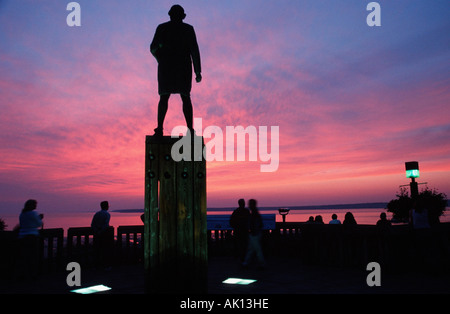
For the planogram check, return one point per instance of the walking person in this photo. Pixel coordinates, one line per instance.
(254, 238)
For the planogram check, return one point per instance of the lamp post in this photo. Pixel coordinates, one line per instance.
(412, 171)
(283, 212)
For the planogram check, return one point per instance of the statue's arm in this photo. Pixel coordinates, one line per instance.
(195, 54)
(156, 43)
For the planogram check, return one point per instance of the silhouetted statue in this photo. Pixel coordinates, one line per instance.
(175, 48)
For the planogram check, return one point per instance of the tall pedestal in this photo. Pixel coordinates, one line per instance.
(175, 239)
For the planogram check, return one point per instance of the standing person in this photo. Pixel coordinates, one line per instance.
(383, 233)
(239, 222)
(103, 239)
(254, 238)
(175, 48)
(30, 223)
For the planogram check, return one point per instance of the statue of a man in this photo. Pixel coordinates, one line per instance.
(175, 48)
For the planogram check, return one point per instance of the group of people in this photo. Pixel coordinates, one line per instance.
(30, 223)
(349, 219)
(248, 225)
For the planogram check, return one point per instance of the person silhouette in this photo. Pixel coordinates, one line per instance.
(334, 220)
(239, 221)
(383, 223)
(29, 240)
(318, 220)
(349, 219)
(103, 236)
(175, 48)
(254, 247)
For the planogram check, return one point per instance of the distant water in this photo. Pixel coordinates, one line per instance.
(367, 214)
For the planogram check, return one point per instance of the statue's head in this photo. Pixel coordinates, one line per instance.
(176, 13)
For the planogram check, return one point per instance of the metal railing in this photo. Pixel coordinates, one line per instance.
(319, 244)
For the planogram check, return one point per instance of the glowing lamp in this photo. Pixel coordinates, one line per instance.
(92, 289)
(412, 169)
(238, 281)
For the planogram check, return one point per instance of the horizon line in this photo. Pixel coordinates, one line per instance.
(304, 207)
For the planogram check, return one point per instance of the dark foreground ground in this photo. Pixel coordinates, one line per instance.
(280, 276)
(285, 284)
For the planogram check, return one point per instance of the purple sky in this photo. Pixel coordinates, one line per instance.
(352, 102)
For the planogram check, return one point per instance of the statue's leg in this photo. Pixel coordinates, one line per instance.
(187, 110)
(162, 110)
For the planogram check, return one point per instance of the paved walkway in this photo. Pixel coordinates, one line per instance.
(281, 276)
(289, 276)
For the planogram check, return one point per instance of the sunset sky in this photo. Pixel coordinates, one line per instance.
(353, 103)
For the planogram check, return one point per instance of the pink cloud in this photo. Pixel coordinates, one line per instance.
(74, 120)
